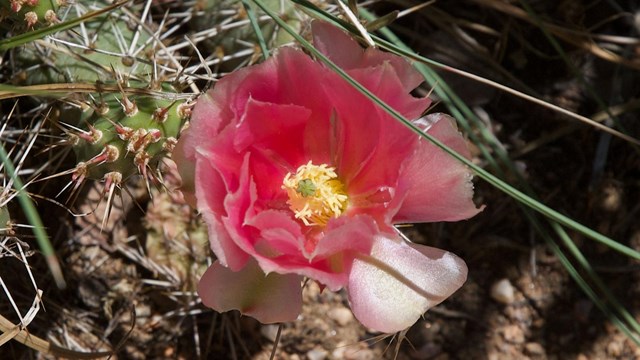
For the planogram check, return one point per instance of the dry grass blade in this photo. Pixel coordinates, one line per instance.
(579, 39)
(547, 104)
(42, 345)
(63, 89)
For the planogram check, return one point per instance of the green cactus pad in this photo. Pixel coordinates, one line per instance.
(122, 142)
(30, 14)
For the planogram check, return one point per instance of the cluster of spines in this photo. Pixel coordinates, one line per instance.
(33, 12)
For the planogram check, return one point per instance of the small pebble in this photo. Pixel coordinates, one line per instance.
(503, 292)
(342, 316)
(317, 354)
(614, 349)
(534, 348)
(513, 334)
(350, 351)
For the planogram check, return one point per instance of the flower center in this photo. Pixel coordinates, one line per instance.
(315, 194)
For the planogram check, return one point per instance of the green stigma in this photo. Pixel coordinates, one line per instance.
(306, 187)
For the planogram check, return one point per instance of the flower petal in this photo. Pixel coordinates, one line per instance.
(210, 192)
(278, 234)
(345, 52)
(435, 186)
(186, 170)
(268, 298)
(263, 124)
(383, 303)
(331, 260)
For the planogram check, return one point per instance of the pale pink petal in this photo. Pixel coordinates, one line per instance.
(223, 244)
(268, 298)
(383, 303)
(204, 124)
(240, 205)
(335, 44)
(437, 187)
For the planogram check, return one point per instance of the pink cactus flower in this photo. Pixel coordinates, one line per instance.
(297, 174)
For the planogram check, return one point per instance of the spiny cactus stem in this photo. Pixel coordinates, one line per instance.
(129, 107)
(112, 178)
(124, 132)
(93, 136)
(103, 108)
(79, 173)
(16, 5)
(110, 153)
(112, 181)
(169, 144)
(184, 109)
(72, 139)
(141, 138)
(160, 115)
(50, 17)
(31, 18)
(141, 160)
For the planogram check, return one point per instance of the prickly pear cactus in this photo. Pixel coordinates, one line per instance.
(126, 135)
(111, 44)
(117, 134)
(30, 14)
(236, 36)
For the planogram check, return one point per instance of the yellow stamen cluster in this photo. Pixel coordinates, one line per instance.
(315, 194)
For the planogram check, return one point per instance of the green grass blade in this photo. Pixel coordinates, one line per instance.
(34, 219)
(256, 28)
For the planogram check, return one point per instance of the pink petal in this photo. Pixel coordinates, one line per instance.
(383, 303)
(224, 203)
(436, 186)
(260, 131)
(278, 234)
(263, 125)
(203, 126)
(331, 260)
(345, 52)
(384, 82)
(371, 144)
(187, 171)
(268, 298)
